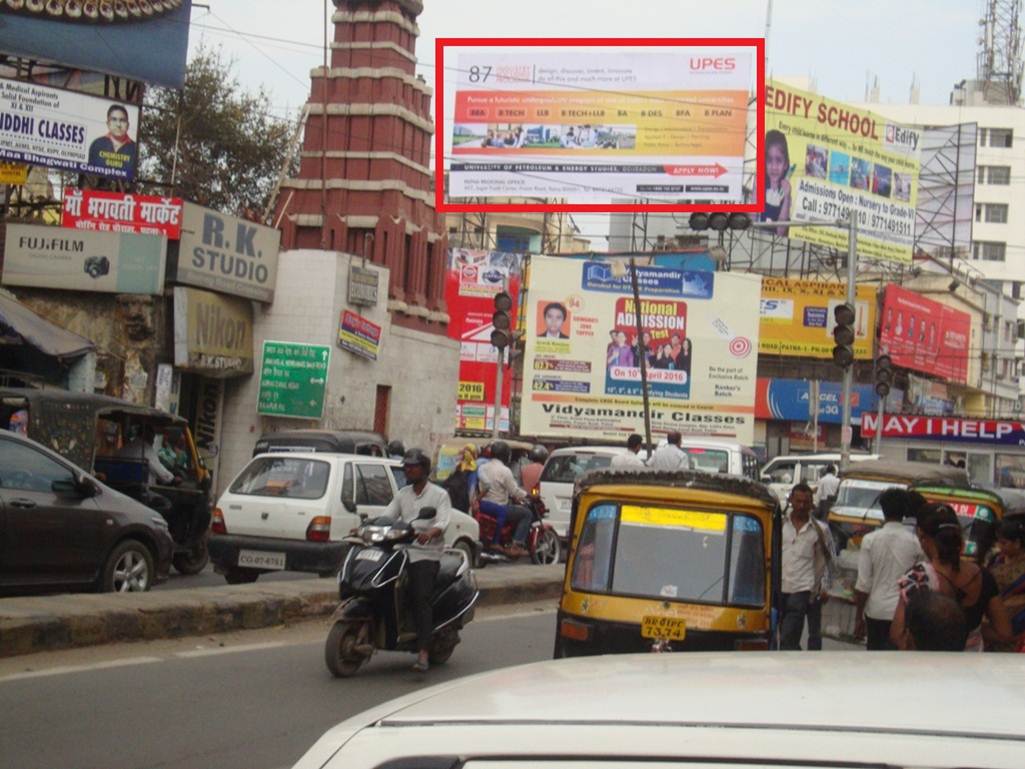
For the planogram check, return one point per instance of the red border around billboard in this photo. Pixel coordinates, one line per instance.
(439, 112)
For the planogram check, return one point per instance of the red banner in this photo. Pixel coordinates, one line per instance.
(122, 212)
(470, 288)
(923, 335)
(947, 429)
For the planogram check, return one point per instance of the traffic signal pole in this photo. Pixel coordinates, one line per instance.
(848, 374)
(641, 352)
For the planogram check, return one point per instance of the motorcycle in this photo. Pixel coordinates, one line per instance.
(373, 613)
(542, 542)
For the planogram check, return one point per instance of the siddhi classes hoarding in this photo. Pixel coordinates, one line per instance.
(581, 376)
(824, 159)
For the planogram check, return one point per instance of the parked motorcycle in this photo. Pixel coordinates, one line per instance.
(374, 614)
(542, 542)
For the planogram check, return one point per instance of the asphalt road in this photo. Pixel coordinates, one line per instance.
(207, 578)
(248, 700)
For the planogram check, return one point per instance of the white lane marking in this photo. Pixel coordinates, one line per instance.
(515, 615)
(230, 649)
(62, 669)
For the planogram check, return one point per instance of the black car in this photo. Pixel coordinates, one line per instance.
(62, 529)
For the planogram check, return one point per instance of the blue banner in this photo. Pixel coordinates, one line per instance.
(104, 37)
(789, 399)
(653, 281)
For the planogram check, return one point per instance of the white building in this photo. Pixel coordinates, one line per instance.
(998, 217)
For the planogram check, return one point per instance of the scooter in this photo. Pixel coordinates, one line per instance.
(542, 542)
(372, 587)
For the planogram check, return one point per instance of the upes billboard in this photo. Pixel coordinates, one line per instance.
(227, 254)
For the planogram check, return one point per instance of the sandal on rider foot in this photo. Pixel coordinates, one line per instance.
(421, 667)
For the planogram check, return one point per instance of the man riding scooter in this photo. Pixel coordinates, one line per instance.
(496, 487)
(425, 552)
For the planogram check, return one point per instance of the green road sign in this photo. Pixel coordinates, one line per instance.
(293, 378)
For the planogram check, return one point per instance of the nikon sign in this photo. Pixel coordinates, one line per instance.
(227, 254)
(213, 334)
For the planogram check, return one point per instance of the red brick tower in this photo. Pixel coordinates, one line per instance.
(379, 200)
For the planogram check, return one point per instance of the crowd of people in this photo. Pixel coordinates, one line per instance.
(915, 588)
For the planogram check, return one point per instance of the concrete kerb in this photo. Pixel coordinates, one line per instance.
(47, 623)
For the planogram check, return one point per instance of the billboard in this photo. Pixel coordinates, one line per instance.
(824, 159)
(923, 335)
(121, 212)
(145, 41)
(797, 318)
(790, 399)
(581, 375)
(474, 277)
(71, 131)
(946, 429)
(109, 262)
(601, 122)
(213, 334)
(227, 254)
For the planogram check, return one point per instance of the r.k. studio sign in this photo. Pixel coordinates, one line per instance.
(227, 254)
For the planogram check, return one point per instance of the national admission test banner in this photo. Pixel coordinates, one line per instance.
(653, 125)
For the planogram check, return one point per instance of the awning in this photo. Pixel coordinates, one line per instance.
(18, 320)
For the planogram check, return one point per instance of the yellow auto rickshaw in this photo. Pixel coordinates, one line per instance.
(669, 561)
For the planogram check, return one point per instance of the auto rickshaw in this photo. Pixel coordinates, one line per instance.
(669, 562)
(95, 432)
(979, 511)
(856, 510)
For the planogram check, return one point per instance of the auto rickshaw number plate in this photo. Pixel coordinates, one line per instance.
(658, 626)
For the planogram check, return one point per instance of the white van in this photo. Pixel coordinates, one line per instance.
(561, 471)
(781, 474)
(289, 511)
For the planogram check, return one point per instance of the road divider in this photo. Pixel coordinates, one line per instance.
(42, 623)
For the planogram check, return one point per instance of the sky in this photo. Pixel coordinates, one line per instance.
(840, 44)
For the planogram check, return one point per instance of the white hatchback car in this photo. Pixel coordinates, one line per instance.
(722, 710)
(289, 511)
(562, 470)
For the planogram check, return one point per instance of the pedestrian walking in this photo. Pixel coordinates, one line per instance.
(886, 555)
(1008, 569)
(670, 457)
(807, 563)
(631, 458)
(944, 571)
(826, 491)
(935, 623)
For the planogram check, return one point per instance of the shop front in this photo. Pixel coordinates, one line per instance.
(213, 341)
(991, 450)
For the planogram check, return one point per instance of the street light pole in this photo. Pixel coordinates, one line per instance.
(848, 374)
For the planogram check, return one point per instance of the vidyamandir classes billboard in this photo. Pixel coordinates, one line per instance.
(797, 318)
(143, 40)
(582, 378)
(824, 159)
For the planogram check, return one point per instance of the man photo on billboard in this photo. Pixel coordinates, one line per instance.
(115, 151)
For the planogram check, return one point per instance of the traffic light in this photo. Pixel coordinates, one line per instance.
(884, 375)
(719, 221)
(502, 321)
(843, 335)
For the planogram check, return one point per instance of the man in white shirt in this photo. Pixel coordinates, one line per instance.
(886, 554)
(806, 562)
(425, 551)
(497, 489)
(825, 494)
(631, 458)
(670, 458)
